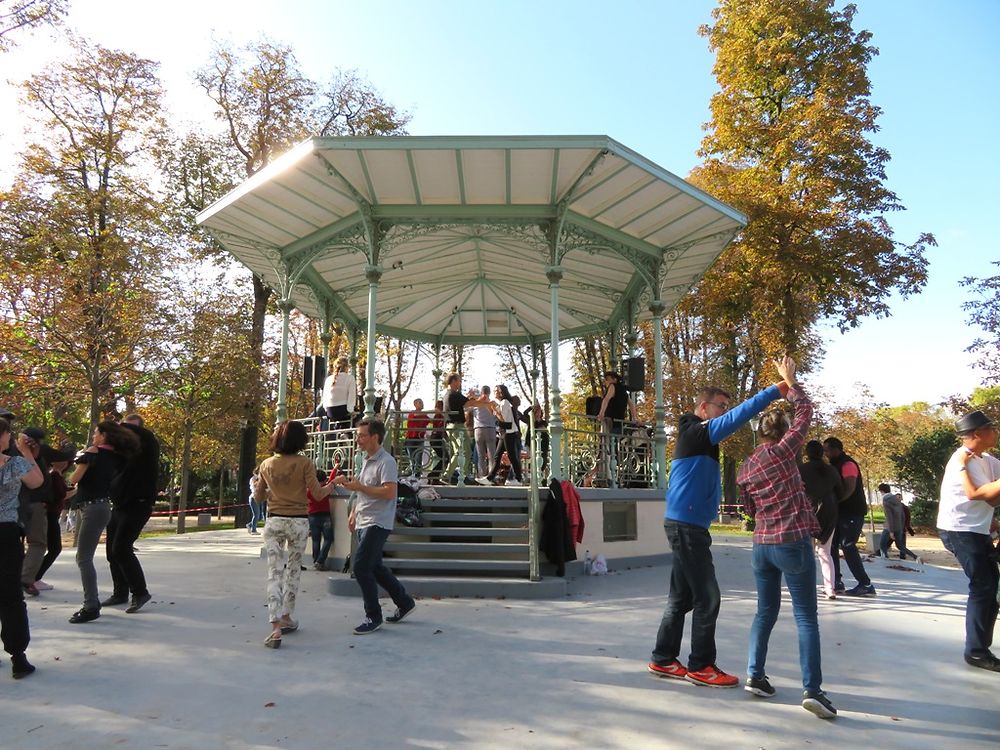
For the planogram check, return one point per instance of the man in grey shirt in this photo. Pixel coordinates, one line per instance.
(372, 517)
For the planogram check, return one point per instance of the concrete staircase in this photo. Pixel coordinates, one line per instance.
(474, 542)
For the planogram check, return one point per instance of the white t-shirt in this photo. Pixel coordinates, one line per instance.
(340, 390)
(956, 511)
(507, 415)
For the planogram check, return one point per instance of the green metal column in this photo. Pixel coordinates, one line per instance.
(437, 372)
(352, 337)
(374, 275)
(285, 305)
(659, 428)
(613, 348)
(554, 275)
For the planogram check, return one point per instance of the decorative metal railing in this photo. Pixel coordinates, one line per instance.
(595, 455)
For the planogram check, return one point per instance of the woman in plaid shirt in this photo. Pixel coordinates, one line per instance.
(773, 495)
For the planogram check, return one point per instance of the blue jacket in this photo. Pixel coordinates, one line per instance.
(695, 486)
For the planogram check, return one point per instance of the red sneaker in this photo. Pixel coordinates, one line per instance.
(674, 669)
(712, 676)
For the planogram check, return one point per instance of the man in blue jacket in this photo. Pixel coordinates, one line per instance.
(693, 496)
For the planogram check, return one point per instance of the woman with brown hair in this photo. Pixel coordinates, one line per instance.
(340, 393)
(289, 478)
(96, 468)
(15, 471)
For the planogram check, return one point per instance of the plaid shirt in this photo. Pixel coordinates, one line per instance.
(771, 488)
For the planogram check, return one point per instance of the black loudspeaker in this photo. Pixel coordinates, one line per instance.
(313, 373)
(634, 373)
(319, 372)
(593, 406)
(307, 373)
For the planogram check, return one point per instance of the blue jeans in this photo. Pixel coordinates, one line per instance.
(257, 512)
(414, 450)
(796, 561)
(692, 587)
(846, 538)
(978, 559)
(370, 573)
(321, 530)
(885, 541)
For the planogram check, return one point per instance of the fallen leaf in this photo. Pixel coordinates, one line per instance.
(438, 631)
(270, 704)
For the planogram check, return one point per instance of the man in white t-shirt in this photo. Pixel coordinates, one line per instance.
(969, 493)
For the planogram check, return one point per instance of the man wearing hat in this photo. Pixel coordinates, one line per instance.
(34, 505)
(969, 493)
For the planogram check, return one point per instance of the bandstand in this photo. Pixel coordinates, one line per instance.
(507, 240)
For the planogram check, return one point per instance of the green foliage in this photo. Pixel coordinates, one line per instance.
(984, 312)
(920, 470)
(788, 144)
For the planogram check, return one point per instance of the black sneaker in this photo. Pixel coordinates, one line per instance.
(989, 661)
(759, 687)
(367, 627)
(20, 667)
(399, 614)
(114, 600)
(861, 590)
(839, 587)
(84, 615)
(816, 702)
(138, 602)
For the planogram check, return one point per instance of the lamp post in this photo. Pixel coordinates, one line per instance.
(754, 424)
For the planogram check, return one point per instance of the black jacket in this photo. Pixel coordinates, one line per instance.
(555, 540)
(139, 482)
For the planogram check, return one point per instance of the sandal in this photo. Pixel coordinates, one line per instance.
(290, 627)
(273, 641)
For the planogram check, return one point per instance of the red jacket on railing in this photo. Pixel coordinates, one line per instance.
(574, 515)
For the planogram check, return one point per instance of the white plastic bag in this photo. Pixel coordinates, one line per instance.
(428, 493)
(599, 566)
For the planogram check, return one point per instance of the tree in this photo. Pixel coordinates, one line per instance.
(84, 230)
(17, 15)
(920, 470)
(788, 145)
(266, 104)
(984, 312)
(206, 363)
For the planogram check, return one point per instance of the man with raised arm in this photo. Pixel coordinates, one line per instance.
(693, 496)
(970, 492)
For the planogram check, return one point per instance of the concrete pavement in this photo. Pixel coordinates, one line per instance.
(190, 670)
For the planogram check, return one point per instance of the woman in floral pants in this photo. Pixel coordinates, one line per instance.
(288, 477)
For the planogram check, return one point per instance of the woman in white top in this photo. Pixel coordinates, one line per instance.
(509, 442)
(340, 393)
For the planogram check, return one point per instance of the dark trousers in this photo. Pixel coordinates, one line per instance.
(846, 538)
(123, 529)
(693, 588)
(978, 559)
(440, 457)
(321, 531)
(508, 445)
(339, 417)
(53, 544)
(13, 612)
(371, 573)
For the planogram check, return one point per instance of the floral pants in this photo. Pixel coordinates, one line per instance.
(284, 543)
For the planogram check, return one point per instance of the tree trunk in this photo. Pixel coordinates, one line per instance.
(185, 475)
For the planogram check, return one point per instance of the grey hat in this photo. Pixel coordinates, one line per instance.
(6, 413)
(973, 421)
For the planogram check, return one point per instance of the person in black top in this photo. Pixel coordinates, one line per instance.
(611, 419)
(824, 488)
(132, 496)
(455, 404)
(96, 470)
(852, 511)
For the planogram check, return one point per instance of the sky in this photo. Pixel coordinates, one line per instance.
(638, 72)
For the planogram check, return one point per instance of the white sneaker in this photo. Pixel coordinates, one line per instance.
(42, 586)
(484, 481)
(513, 483)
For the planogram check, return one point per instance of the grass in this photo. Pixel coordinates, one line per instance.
(189, 528)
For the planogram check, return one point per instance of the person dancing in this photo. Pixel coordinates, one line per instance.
(774, 496)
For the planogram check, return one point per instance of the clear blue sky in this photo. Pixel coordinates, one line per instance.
(638, 71)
